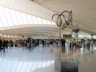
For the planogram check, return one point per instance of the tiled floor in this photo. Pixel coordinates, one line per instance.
(38, 59)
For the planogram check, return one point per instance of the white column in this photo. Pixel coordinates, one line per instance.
(31, 42)
(60, 44)
(91, 42)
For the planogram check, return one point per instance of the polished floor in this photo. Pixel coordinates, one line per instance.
(22, 59)
(38, 59)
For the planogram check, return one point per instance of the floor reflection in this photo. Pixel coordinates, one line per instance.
(38, 59)
(22, 59)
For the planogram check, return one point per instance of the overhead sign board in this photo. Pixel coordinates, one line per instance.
(66, 36)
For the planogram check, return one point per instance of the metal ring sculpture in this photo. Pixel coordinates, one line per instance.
(59, 18)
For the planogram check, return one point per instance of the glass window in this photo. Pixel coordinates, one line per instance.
(8, 17)
(1, 25)
(3, 17)
(18, 15)
(29, 19)
(14, 17)
(11, 17)
(48, 22)
(34, 19)
(44, 21)
(39, 21)
(23, 15)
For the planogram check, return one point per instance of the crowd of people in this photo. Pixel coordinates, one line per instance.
(5, 43)
(72, 44)
(27, 43)
(78, 44)
(44, 42)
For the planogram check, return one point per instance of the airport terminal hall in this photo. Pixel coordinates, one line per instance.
(47, 35)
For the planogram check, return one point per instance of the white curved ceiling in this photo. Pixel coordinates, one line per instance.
(84, 13)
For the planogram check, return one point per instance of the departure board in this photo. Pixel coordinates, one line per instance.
(66, 36)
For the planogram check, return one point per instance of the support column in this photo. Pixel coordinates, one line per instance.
(31, 42)
(92, 42)
(71, 35)
(62, 65)
(60, 44)
(91, 36)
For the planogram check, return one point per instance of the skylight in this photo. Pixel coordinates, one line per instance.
(9, 17)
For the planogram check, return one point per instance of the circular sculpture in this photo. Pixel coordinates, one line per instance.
(61, 18)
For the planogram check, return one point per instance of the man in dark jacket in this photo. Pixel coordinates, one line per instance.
(0, 44)
(63, 45)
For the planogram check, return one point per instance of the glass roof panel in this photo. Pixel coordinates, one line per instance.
(29, 19)
(10, 17)
(34, 19)
(24, 18)
(1, 25)
(39, 21)
(44, 21)
(14, 17)
(48, 22)
(3, 17)
(18, 15)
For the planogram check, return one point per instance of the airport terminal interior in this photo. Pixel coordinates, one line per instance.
(47, 35)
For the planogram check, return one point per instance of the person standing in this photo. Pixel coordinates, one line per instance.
(84, 45)
(63, 45)
(74, 43)
(43, 43)
(79, 46)
(57, 43)
(88, 45)
(0, 44)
